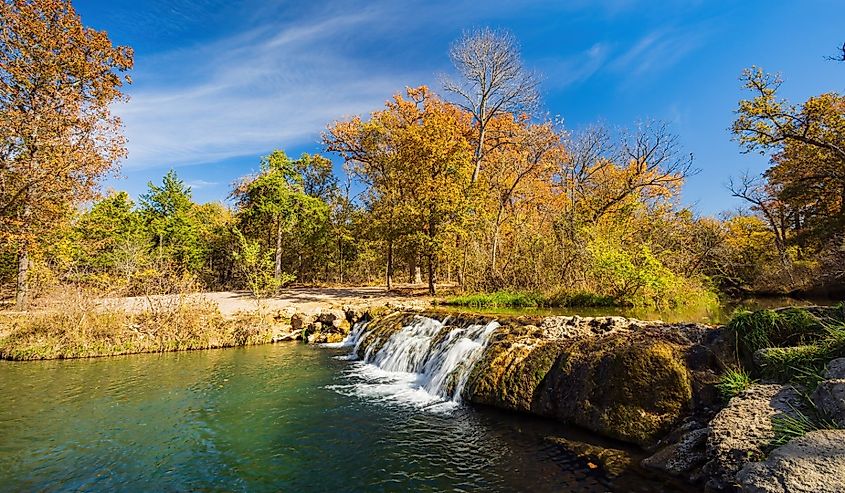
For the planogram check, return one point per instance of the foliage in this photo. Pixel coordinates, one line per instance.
(58, 80)
(256, 266)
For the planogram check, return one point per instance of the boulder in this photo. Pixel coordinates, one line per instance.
(740, 433)
(836, 369)
(625, 379)
(829, 396)
(813, 463)
(613, 462)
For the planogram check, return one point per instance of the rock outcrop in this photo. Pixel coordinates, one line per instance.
(813, 463)
(741, 432)
(625, 379)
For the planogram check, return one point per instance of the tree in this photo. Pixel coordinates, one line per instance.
(802, 195)
(416, 158)
(840, 55)
(768, 124)
(169, 212)
(277, 196)
(58, 80)
(493, 81)
(520, 169)
(255, 264)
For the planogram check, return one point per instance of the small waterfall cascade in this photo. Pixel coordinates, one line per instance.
(438, 355)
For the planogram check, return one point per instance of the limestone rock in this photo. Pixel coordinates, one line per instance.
(814, 463)
(682, 457)
(836, 369)
(740, 432)
(829, 398)
(300, 320)
(623, 379)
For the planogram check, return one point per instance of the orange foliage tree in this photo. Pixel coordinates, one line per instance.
(58, 136)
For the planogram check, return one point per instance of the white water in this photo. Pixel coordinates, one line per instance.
(414, 366)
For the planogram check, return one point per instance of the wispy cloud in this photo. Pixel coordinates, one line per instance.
(272, 86)
(200, 184)
(560, 73)
(657, 50)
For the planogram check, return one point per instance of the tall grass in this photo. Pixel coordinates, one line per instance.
(76, 327)
(529, 299)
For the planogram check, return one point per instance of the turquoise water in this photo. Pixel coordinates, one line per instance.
(267, 418)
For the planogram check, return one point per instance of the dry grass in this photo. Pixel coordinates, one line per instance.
(75, 327)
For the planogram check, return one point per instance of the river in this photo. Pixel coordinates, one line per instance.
(283, 417)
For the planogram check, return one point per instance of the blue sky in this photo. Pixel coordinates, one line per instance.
(218, 83)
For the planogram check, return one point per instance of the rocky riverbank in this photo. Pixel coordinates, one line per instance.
(656, 385)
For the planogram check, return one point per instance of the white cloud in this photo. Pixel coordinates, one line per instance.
(272, 86)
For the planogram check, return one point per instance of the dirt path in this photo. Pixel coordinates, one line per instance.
(302, 299)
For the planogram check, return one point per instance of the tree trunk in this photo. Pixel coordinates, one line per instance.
(277, 271)
(414, 271)
(22, 294)
(479, 153)
(432, 275)
(389, 265)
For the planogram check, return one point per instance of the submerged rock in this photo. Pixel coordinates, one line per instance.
(683, 457)
(611, 461)
(742, 431)
(814, 463)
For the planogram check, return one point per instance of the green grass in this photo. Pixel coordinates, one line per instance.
(797, 424)
(732, 383)
(775, 328)
(528, 299)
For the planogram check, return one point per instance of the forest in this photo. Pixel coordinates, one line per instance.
(468, 186)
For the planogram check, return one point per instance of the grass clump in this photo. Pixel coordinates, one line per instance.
(796, 424)
(775, 328)
(733, 382)
(529, 299)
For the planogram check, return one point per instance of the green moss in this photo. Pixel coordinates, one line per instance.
(800, 364)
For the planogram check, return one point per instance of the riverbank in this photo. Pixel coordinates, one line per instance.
(75, 325)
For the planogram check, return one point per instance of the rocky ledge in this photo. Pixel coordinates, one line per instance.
(654, 384)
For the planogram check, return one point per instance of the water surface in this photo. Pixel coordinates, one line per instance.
(267, 418)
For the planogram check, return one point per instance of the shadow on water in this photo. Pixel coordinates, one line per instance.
(266, 418)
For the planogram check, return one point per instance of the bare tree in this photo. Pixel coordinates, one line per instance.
(839, 56)
(493, 80)
(755, 191)
(651, 154)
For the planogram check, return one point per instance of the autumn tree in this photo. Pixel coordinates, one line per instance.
(416, 158)
(520, 170)
(58, 136)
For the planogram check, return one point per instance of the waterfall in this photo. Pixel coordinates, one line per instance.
(426, 355)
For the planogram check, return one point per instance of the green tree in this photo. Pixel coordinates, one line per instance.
(168, 210)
